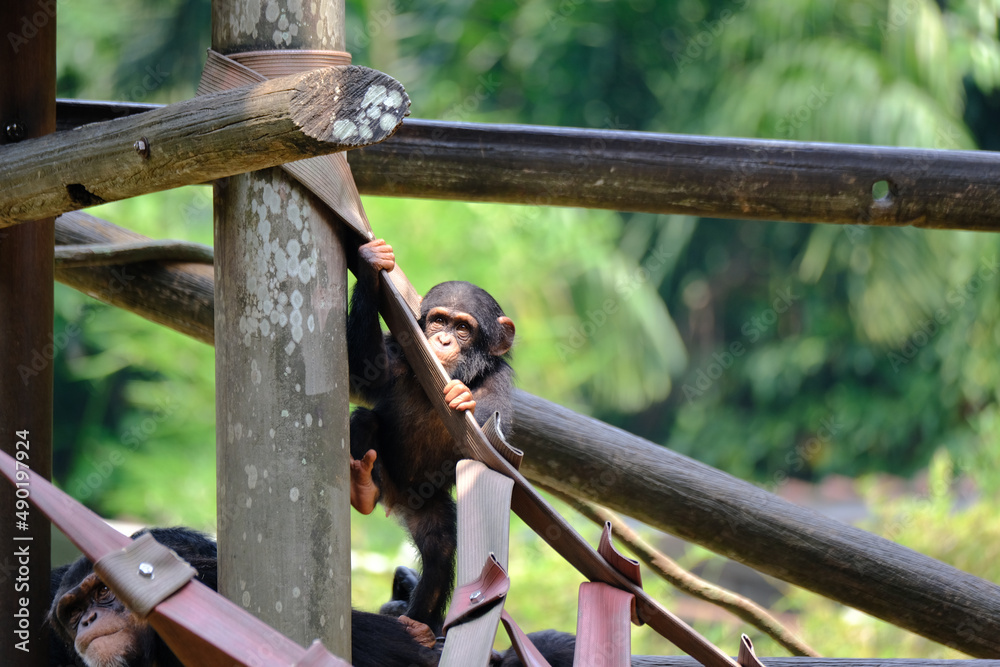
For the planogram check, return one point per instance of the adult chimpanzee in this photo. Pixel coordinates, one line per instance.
(94, 629)
(403, 456)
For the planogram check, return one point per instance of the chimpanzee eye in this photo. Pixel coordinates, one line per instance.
(104, 594)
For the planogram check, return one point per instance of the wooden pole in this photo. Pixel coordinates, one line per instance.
(281, 369)
(175, 294)
(27, 109)
(197, 140)
(587, 458)
(713, 177)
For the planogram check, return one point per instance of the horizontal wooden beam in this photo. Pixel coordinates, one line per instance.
(670, 173)
(178, 295)
(590, 459)
(198, 140)
(704, 176)
(129, 252)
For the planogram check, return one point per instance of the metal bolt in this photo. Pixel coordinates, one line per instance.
(15, 131)
(142, 147)
(476, 597)
(146, 570)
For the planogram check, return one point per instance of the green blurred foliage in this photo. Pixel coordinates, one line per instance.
(937, 523)
(769, 350)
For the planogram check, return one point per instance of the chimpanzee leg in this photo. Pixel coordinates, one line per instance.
(366, 481)
(434, 528)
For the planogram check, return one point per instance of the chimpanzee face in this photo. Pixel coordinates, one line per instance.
(99, 627)
(466, 329)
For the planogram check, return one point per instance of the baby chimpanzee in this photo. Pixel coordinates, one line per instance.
(403, 456)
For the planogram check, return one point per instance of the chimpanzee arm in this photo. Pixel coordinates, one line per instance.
(367, 357)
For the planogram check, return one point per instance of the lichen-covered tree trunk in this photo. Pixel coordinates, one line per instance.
(281, 369)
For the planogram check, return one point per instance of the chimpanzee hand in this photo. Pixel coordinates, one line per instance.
(459, 397)
(378, 255)
(364, 492)
(420, 632)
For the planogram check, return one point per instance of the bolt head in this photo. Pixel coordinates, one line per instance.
(146, 570)
(15, 131)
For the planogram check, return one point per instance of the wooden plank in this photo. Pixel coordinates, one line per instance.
(483, 530)
(590, 459)
(27, 110)
(198, 140)
(282, 424)
(714, 177)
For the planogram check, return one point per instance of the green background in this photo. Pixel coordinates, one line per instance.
(845, 378)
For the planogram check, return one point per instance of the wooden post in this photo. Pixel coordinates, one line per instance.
(281, 369)
(27, 109)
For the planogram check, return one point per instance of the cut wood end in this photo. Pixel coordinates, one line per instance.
(352, 106)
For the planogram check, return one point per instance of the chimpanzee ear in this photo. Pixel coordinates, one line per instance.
(506, 340)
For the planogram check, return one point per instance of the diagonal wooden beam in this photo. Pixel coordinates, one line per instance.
(198, 140)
